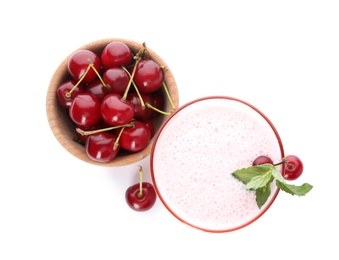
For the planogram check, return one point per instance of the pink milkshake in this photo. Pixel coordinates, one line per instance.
(195, 153)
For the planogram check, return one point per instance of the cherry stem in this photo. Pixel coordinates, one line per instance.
(145, 52)
(283, 161)
(130, 80)
(116, 143)
(130, 76)
(168, 94)
(99, 76)
(137, 59)
(135, 87)
(141, 173)
(69, 93)
(90, 66)
(156, 109)
(82, 132)
(143, 105)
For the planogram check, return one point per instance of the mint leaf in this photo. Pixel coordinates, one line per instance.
(262, 194)
(259, 181)
(289, 188)
(293, 189)
(277, 175)
(259, 178)
(245, 175)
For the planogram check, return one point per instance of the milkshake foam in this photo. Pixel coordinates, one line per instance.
(196, 152)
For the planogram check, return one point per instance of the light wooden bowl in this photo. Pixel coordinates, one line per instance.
(64, 130)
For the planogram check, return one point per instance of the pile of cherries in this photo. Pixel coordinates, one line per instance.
(112, 98)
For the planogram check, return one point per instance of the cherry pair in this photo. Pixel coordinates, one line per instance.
(293, 165)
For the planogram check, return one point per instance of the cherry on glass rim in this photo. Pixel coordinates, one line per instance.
(262, 160)
(293, 167)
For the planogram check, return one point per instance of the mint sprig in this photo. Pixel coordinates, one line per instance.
(259, 178)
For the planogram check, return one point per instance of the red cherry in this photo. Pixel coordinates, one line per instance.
(116, 54)
(141, 196)
(116, 111)
(141, 112)
(65, 89)
(158, 100)
(150, 126)
(293, 168)
(143, 202)
(85, 110)
(148, 76)
(98, 89)
(135, 138)
(117, 79)
(262, 160)
(78, 65)
(101, 147)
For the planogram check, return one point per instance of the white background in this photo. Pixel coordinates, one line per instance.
(281, 56)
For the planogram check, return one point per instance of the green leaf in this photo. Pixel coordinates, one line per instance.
(259, 178)
(277, 175)
(259, 181)
(245, 175)
(263, 193)
(293, 189)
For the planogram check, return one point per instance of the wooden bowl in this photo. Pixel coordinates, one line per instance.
(64, 129)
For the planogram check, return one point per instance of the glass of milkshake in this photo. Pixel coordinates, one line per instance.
(197, 150)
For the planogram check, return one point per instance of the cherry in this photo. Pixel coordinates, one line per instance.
(150, 126)
(135, 138)
(102, 147)
(115, 110)
(117, 79)
(148, 76)
(158, 100)
(65, 99)
(262, 160)
(84, 65)
(85, 110)
(140, 196)
(142, 112)
(98, 89)
(294, 167)
(116, 54)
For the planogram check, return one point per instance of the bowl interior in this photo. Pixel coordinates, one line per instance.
(64, 129)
